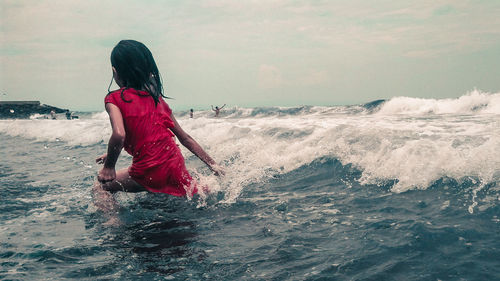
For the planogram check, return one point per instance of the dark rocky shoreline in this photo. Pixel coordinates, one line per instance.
(24, 109)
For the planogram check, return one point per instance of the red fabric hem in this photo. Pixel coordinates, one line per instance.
(171, 190)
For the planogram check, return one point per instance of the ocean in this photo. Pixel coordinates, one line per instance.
(402, 189)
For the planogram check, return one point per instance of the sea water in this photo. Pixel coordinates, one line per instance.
(403, 189)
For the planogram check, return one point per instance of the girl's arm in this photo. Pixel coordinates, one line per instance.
(115, 143)
(187, 141)
(222, 106)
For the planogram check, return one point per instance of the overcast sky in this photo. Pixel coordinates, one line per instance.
(252, 53)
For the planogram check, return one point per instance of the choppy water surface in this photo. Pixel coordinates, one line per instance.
(405, 189)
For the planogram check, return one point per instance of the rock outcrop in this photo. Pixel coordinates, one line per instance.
(24, 109)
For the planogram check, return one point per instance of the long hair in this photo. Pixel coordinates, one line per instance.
(136, 67)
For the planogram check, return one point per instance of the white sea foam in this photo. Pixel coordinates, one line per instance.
(471, 103)
(85, 131)
(412, 141)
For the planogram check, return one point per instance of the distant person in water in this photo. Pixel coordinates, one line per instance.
(191, 113)
(217, 110)
(53, 115)
(68, 114)
(143, 124)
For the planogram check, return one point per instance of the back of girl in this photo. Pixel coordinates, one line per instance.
(143, 124)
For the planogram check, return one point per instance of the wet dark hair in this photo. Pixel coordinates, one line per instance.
(136, 67)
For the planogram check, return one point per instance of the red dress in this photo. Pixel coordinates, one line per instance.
(157, 162)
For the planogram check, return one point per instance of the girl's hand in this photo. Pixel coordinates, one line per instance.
(101, 159)
(106, 175)
(218, 170)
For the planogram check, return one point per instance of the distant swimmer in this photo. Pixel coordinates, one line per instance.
(217, 110)
(68, 114)
(53, 115)
(191, 113)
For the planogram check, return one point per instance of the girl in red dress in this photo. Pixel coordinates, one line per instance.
(143, 124)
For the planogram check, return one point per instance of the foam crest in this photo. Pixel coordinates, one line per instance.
(85, 131)
(471, 103)
(276, 111)
(414, 150)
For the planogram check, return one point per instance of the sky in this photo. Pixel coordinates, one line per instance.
(251, 53)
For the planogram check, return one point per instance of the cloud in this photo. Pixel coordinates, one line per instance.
(430, 27)
(316, 77)
(264, 44)
(269, 77)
